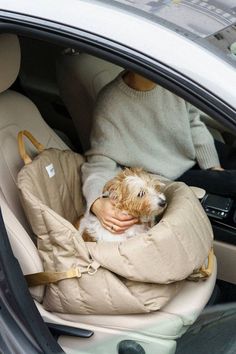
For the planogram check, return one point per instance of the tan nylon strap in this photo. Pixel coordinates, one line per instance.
(44, 278)
(208, 271)
(204, 272)
(20, 138)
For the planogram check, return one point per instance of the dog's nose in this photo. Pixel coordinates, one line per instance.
(162, 202)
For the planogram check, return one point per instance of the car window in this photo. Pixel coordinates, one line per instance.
(53, 88)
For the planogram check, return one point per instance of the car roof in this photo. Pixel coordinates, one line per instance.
(201, 18)
(149, 39)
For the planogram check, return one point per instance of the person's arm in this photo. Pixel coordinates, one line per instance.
(206, 154)
(100, 168)
(95, 173)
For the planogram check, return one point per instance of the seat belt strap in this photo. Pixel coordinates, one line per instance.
(204, 272)
(45, 278)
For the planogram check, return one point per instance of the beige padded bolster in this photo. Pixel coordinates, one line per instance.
(44, 278)
(199, 192)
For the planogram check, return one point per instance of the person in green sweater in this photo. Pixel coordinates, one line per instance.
(140, 124)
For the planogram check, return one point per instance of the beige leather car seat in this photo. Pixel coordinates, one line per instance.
(156, 332)
(80, 78)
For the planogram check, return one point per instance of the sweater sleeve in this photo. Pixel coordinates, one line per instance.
(95, 173)
(99, 168)
(206, 154)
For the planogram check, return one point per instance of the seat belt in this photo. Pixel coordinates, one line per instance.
(45, 278)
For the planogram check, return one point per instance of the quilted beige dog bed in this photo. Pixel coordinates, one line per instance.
(135, 276)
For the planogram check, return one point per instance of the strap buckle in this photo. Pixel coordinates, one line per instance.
(92, 268)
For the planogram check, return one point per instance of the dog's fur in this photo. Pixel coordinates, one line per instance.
(134, 192)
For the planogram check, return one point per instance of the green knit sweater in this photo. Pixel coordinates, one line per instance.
(152, 129)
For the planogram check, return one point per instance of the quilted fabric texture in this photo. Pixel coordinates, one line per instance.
(135, 276)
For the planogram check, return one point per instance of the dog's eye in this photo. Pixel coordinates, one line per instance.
(141, 194)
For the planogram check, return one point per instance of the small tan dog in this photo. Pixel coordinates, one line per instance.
(134, 192)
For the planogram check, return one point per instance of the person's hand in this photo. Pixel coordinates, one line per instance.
(217, 168)
(111, 218)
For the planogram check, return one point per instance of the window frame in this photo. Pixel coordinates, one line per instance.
(91, 43)
(124, 56)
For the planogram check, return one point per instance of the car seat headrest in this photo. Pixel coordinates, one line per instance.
(9, 60)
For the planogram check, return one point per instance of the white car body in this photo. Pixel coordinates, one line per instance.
(151, 39)
(193, 69)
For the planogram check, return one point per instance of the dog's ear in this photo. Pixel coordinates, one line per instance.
(111, 188)
(160, 185)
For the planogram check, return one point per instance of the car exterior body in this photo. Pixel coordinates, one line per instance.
(148, 37)
(151, 39)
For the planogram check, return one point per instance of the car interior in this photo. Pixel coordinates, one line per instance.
(50, 90)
